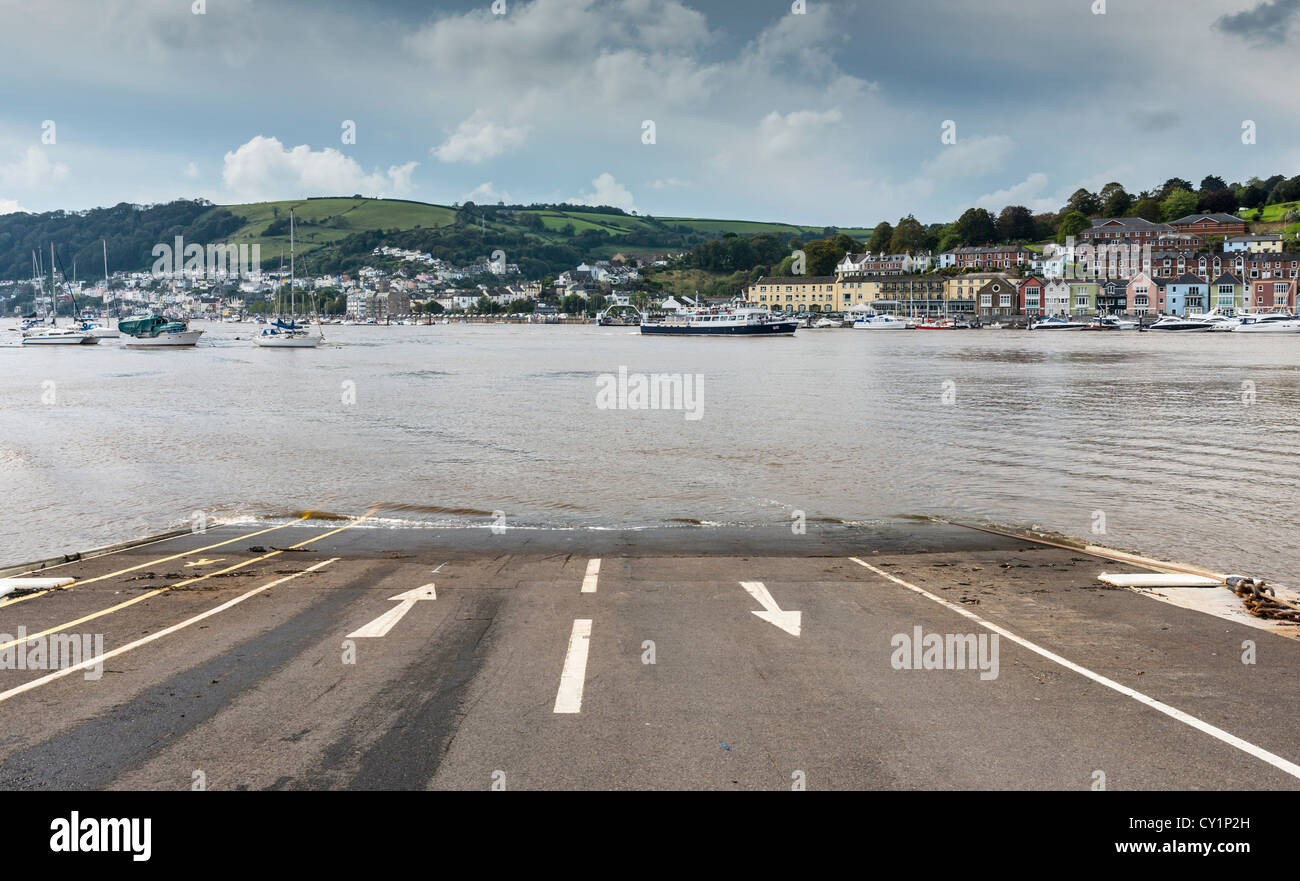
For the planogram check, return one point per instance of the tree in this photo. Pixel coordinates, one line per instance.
(976, 226)
(1115, 200)
(1210, 183)
(1179, 203)
(880, 237)
(1084, 202)
(1072, 224)
(1221, 201)
(909, 236)
(1015, 223)
(1147, 209)
(821, 256)
(1173, 184)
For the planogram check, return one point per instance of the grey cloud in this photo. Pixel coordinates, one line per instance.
(1266, 23)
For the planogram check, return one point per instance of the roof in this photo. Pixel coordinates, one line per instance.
(1188, 278)
(1125, 221)
(1226, 278)
(1218, 218)
(797, 279)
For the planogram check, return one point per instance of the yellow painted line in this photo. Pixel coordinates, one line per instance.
(31, 596)
(153, 593)
(167, 631)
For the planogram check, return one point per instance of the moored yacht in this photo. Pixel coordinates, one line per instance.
(1182, 323)
(1276, 322)
(1055, 322)
(874, 321)
(150, 331)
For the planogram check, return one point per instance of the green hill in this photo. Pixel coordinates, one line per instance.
(339, 233)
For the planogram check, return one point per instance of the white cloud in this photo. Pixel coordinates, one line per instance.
(970, 157)
(32, 171)
(478, 138)
(486, 192)
(1028, 193)
(667, 183)
(10, 206)
(191, 171)
(786, 135)
(264, 169)
(608, 192)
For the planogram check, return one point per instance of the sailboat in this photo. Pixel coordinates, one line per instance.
(55, 335)
(104, 331)
(278, 334)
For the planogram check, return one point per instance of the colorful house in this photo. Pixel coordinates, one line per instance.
(1083, 297)
(1227, 292)
(1186, 295)
(1146, 295)
(1276, 294)
(1030, 295)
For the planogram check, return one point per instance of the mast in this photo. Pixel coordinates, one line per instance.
(292, 309)
(54, 298)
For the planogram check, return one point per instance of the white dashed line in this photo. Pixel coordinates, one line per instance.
(569, 698)
(593, 573)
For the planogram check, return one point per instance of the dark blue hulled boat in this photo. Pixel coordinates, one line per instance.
(724, 322)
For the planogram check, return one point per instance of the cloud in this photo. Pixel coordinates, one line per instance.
(1268, 22)
(264, 169)
(667, 183)
(478, 138)
(608, 192)
(32, 171)
(487, 193)
(1154, 120)
(1028, 193)
(970, 157)
(191, 170)
(789, 134)
(10, 206)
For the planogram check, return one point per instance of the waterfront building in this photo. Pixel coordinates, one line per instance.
(1146, 295)
(1030, 296)
(1112, 296)
(796, 293)
(1186, 295)
(1227, 292)
(997, 298)
(1277, 295)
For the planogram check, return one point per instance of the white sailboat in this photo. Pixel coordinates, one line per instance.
(103, 331)
(277, 334)
(55, 335)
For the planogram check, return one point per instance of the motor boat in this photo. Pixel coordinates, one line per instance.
(1275, 322)
(1182, 323)
(1114, 322)
(150, 331)
(874, 321)
(1055, 322)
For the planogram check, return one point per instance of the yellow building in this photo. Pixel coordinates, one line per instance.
(799, 293)
(900, 294)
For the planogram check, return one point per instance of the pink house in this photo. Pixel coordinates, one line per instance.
(1146, 295)
(1274, 294)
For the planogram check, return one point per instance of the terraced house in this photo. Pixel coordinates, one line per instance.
(1146, 295)
(869, 264)
(1186, 294)
(997, 298)
(1030, 294)
(1278, 295)
(992, 257)
(1227, 292)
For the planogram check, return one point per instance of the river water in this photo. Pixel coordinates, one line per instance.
(1185, 446)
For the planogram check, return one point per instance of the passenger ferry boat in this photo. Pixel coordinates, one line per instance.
(724, 322)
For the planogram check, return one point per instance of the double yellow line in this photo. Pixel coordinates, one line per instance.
(186, 582)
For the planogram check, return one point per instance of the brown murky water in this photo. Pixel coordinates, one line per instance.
(1180, 445)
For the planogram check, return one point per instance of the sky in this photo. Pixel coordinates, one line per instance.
(822, 112)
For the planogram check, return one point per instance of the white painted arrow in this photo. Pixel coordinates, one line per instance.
(790, 622)
(384, 623)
